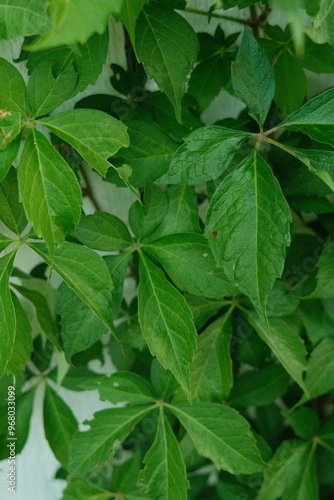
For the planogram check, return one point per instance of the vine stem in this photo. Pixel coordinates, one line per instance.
(87, 190)
(217, 16)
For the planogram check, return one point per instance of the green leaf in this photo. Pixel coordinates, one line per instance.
(166, 322)
(12, 89)
(128, 15)
(12, 212)
(93, 447)
(80, 327)
(162, 380)
(318, 58)
(182, 212)
(117, 265)
(85, 273)
(203, 309)
(146, 217)
(211, 375)
(87, 59)
(205, 155)
(10, 126)
(47, 88)
(315, 118)
(94, 134)
(124, 173)
(323, 23)
(122, 386)
(4, 242)
(325, 278)
(149, 153)
(49, 190)
(85, 490)
(259, 388)
(319, 162)
(23, 18)
(221, 434)
(248, 228)
(304, 421)
(285, 343)
(253, 78)
(102, 231)
(8, 155)
(22, 347)
(291, 85)
(59, 424)
(165, 474)
(167, 45)
(291, 475)
(320, 369)
(7, 311)
(207, 79)
(89, 19)
(188, 260)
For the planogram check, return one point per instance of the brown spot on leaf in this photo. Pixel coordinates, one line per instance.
(214, 233)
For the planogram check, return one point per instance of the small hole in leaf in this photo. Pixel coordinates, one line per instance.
(215, 233)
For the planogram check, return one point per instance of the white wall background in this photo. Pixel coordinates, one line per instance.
(36, 465)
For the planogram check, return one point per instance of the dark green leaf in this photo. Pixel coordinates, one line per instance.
(304, 421)
(22, 347)
(320, 369)
(117, 265)
(325, 278)
(291, 85)
(205, 155)
(253, 78)
(166, 322)
(128, 15)
(7, 311)
(146, 217)
(8, 155)
(12, 212)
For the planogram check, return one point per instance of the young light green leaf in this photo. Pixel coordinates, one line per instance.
(88, 59)
(325, 278)
(12, 89)
(211, 375)
(259, 388)
(49, 190)
(102, 231)
(288, 474)
(85, 273)
(12, 212)
(122, 386)
(221, 434)
(320, 369)
(291, 84)
(164, 474)
(7, 311)
(248, 229)
(323, 22)
(8, 155)
(80, 327)
(285, 343)
(188, 260)
(315, 118)
(167, 45)
(10, 126)
(253, 78)
(22, 347)
(124, 173)
(205, 155)
(93, 447)
(23, 18)
(182, 212)
(128, 15)
(48, 88)
(319, 162)
(166, 322)
(149, 153)
(94, 134)
(89, 20)
(60, 425)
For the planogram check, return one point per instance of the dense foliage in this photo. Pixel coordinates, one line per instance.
(225, 356)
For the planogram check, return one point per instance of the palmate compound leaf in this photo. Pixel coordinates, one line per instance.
(49, 190)
(189, 262)
(167, 45)
(253, 78)
(248, 228)
(166, 322)
(7, 311)
(315, 118)
(94, 134)
(221, 434)
(165, 474)
(85, 273)
(205, 155)
(93, 447)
